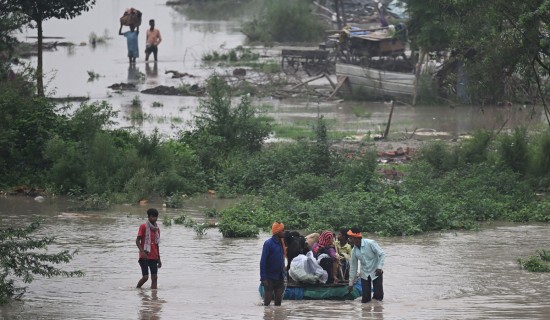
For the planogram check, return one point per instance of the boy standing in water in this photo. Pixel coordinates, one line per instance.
(131, 41)
(147, 241)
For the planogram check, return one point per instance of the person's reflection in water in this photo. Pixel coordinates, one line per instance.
(279, 313)
(151, 305)
(151, 73)
(133, 73)
(373, 310)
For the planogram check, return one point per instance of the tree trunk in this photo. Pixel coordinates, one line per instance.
(39, 68)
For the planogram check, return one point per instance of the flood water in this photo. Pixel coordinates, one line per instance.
(190, 33)
(447, 275)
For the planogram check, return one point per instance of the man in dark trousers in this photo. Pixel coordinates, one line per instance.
(152, 40)
(372, 257)
(147, 241)
(272, 265)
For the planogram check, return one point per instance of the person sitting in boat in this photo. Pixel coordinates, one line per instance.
(311, 239)
(325, 246)
(343, 249)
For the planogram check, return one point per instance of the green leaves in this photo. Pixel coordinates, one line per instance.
(22, 256)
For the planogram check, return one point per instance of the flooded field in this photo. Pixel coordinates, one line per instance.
(187, 35)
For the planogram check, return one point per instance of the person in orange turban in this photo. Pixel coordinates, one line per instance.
(272, 265)
(372, 259)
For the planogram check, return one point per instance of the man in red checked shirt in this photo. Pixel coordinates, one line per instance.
(147, 241)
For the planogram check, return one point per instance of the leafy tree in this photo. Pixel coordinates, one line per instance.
(502, 44)
(27, 123)
(222, 129)
(38, 11)
(9, 23)
(21, 257)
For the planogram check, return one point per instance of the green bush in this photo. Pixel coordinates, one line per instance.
(540, 263)
(513, 150)
(222, 129)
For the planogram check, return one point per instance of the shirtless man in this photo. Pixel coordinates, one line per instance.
(152, 40)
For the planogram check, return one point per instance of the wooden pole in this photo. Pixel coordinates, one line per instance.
(417, 75)
(389, 121)
(307, 81)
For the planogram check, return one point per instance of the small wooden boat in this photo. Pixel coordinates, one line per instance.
(379, 82)
(336, 291)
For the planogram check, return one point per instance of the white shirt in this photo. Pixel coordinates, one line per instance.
(371, 257)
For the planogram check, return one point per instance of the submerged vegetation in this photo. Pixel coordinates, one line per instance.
(538, 263)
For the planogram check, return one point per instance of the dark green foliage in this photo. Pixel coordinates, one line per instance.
(356, 171)
(243, 220)
(321, 154)
(285, 21)
(539, 159)
(27, 123)
(306, 186)
(222, 129)
(540, 263)
(513, 150)
(502, 46)
(87, 159)
(23, 256)
(476, 149)
(447, 187)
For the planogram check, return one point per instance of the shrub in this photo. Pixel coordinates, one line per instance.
(23, 256)
(513, 150)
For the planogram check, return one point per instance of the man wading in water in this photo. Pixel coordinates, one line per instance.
(372, 257)
(152, 40)
(147, 241)
(272, 265)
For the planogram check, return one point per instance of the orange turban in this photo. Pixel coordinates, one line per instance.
(355, 235)
(277, 227)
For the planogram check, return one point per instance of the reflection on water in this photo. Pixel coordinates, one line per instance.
(151, 72)
(447, 275)
(133, 73)
(151, 305)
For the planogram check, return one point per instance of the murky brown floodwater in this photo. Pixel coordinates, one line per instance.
(448, 275)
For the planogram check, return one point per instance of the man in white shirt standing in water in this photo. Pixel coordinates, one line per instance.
(152, 40)
(372, 257)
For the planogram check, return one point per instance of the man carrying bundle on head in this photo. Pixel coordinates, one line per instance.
(272, 265)
(372, 257)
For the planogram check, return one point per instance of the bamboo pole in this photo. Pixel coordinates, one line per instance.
(389, 121)
(417, 75)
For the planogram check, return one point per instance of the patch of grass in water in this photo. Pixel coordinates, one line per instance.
(540, 263)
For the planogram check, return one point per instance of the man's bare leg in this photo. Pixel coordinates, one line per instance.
(142, 281)
(154, 278)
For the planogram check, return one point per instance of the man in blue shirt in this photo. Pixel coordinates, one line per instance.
(132, 42)
(272, 265)
(372, 257)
